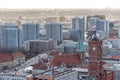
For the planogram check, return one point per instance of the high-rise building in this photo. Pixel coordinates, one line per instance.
(10, 36)
(76, 22)
(54, 31)
(95, 24)
(81, 32)
(103, 25)
(30, 31)
(92, 23)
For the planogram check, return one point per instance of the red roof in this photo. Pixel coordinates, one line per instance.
(39, 66)
(115, 57)
(5, 57)
(17, 55)
(67, 59)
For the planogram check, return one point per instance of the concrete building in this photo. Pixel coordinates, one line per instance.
(92, 23)
(10, 36)
(119, 33)
(73, 34)
(12, 77)
(66, 35)
(54, 31)
(115, 42)
(82, 73)
(39, 45)
(95, 24)
(107, 44)
(67, 46)
(76, 23)
(81, 32)
(111, 52)
(30, 31)
(103, 25)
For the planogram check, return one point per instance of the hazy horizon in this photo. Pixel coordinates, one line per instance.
(59, 4)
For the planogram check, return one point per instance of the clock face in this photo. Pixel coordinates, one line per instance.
(94, 48)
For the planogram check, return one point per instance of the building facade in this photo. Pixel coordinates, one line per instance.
(76, 23)
(54, 31)
(103, 25)
(38, 45)
(10, 36)
(12, 77)
(30, 31)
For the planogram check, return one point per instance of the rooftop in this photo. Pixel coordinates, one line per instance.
(17, 55)
(67, 59)
(57, 72)
(5, 57)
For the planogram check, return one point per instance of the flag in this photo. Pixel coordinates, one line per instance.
(93, 27)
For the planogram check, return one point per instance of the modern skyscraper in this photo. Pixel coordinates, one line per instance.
(81, 30)
(54, 31)
(103, 25)
(96, 24)
(10, 36)
(30, 31)
(76, 23)
(92, 23)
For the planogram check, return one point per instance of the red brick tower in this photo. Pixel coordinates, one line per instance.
(95, 58)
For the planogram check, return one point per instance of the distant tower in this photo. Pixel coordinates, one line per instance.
(10, 36)
(76, 23)
(95, 58)
(30, 31)
(103, 25)
(91, 25)
(54, 31)
(81, 31)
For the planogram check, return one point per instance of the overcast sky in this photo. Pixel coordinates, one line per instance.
(59, 3)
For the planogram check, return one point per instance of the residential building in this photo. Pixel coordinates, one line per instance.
(73, 34)
(66, 35)
(39, 45)
(115, 42)
(30, 31)
(54, 31)
(91, 26)
(6, 76)
(81, 32)
(82, 73)
(67, 46)
(76, 23)
(103, 25)
(92, 23)
(10, 36)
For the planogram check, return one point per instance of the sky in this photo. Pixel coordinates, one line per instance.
(25, 4)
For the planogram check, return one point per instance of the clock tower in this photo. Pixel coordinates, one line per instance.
(95, 58)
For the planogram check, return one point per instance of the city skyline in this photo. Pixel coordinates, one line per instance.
(31, 4)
